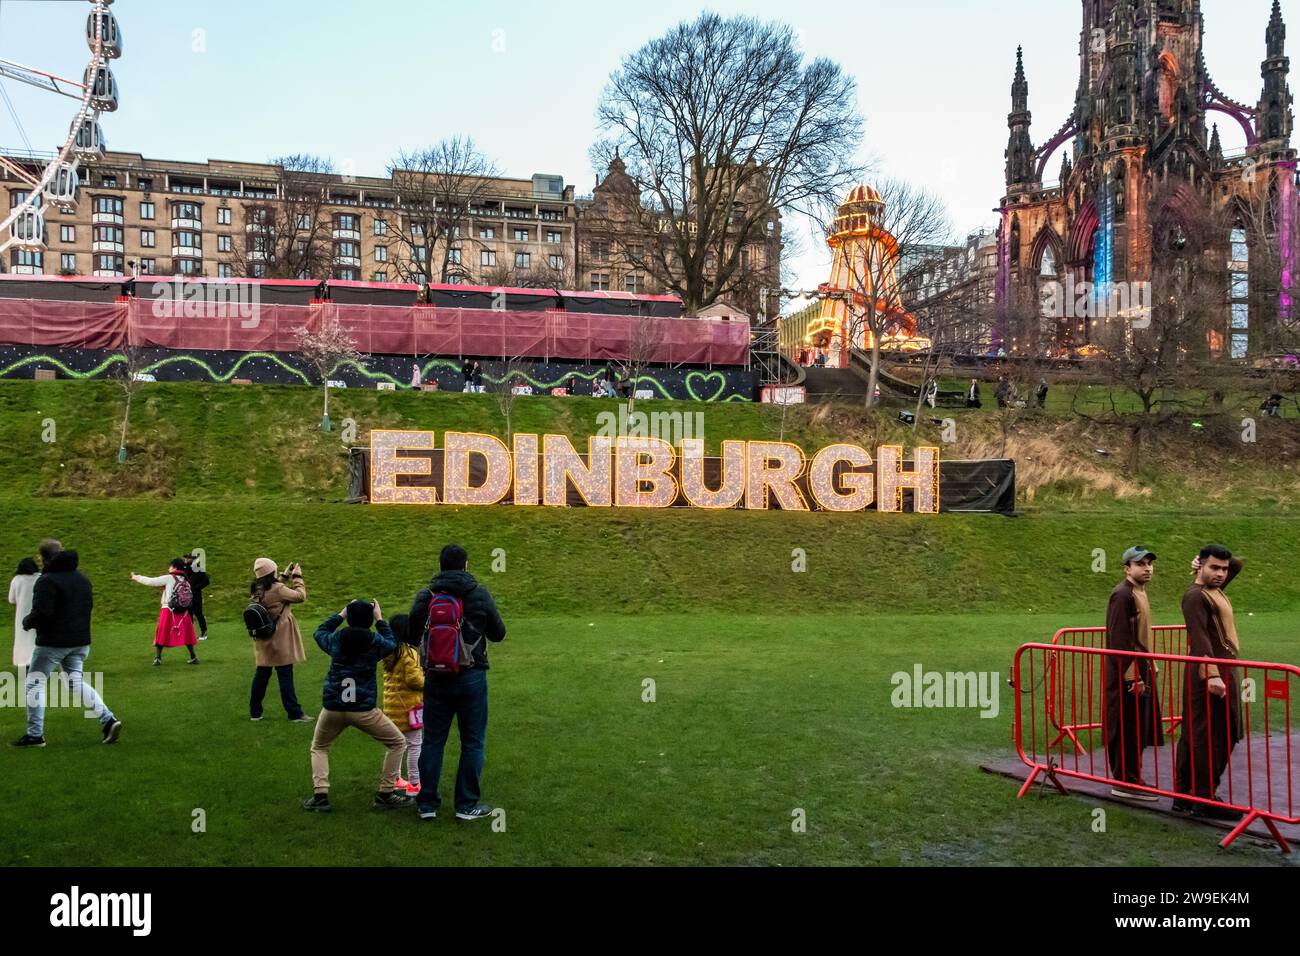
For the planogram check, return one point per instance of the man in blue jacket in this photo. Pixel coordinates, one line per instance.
(351, 700)
(463, 695)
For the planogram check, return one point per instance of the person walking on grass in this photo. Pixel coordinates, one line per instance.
(61, 604)
(284, 648)
(20, 596)
(175, 626)
(350, 700)
(199, 580)
(1131, 711)
(456, 608)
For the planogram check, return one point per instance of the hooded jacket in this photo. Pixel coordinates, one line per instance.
(481, 616)
(61, 603)
(354, 653)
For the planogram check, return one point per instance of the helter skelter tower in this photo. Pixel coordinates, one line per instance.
(864, 270)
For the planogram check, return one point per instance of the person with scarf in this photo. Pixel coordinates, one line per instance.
(175, 626)
(1211, 692)
(1131, 704)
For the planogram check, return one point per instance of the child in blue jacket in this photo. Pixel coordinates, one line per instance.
(350, 699)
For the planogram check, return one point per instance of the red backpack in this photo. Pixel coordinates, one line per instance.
(445, 650)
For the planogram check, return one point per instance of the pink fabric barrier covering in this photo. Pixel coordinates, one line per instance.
(390, 330)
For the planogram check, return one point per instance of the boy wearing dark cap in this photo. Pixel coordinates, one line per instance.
(350, 699)
(1132, 706)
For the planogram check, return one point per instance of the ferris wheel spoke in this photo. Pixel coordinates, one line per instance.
(41, 80)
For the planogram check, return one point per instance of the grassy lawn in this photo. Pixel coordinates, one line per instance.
(772, 686)
(753, 718)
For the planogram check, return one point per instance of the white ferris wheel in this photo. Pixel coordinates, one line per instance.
(56, 181)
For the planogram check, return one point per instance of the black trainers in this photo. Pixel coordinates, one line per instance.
(1207, 812)
(392, 800)
(428, 813)
(112, 730)
(319, 802)
(476, 812)
(1182, 806)
(27, 740)
(192, 660)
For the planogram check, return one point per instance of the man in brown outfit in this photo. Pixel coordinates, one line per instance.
(1211, 692)
(1131, 711)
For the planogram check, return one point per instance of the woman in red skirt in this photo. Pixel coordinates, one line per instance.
(175, 627)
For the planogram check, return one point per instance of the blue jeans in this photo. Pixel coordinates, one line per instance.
(71, 660)
(464, 697)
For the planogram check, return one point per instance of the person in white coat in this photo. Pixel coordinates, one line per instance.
(20, 595)
(175, 626)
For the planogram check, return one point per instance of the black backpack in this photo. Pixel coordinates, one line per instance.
(258, 620)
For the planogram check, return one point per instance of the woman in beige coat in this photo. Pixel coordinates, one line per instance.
(284, 649)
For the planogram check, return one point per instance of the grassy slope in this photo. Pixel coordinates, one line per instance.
(773, 686)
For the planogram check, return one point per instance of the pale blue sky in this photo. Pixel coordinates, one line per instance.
(357, 80)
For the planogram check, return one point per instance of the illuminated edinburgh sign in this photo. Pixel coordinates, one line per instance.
(632, 472)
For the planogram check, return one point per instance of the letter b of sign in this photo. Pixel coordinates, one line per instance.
(349, 692)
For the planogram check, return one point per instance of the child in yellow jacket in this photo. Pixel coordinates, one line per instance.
(404, 697)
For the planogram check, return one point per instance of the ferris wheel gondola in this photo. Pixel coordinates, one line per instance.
(57, 183)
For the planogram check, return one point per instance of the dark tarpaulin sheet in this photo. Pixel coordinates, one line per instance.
(964, 486)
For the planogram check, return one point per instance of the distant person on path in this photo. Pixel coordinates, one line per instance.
(20, 596)
(932, 394)
(1211, 692)
(478, 378)
(973, 394)
(1272, 406)
(1132, 705)
(404, 697)
(350, 700)
(60, 615)
(284, 649)
(1041, 393)
(175, 626)
(462, 694)
(1003, 392)
(199, 580)
(467, 373)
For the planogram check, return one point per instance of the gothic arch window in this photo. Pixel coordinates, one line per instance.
(1239, 291)
(1015, 241)
(1167, 85)
(1047, 266)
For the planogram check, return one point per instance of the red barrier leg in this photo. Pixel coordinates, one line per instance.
(1033, 775)
(1246, 821)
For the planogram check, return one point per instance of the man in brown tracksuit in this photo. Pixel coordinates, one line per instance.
(1211, 692)
(1131, 713)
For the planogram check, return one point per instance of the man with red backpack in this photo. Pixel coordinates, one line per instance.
(457, 617)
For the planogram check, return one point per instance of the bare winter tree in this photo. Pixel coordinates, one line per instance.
(127, 374)
(1180, 345)
(907, 220)
(717, 125)
(517, 371)
(644, 340)
(324, 350)
(289, 237)
(439, 190)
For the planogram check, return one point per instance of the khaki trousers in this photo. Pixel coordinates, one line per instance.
(331, 723)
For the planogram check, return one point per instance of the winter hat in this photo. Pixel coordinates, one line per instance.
(262, 567)
(360, 614)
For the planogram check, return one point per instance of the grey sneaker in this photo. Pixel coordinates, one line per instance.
(392, 800)
(476, 812)
(112, 730)
(302, 719)
(1127, 794)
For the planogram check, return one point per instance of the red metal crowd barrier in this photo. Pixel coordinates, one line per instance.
(1233, 752)
(1165, 639)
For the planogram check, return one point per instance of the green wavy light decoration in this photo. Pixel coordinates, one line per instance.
(691, 377)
